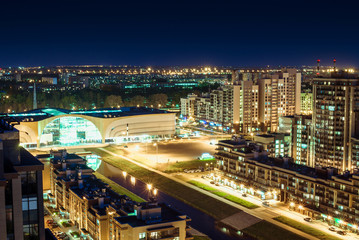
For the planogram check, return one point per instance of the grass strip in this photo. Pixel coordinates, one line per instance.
(304, 228)
(264, 230)
(118, 188)
(225, 195)
(211, 206)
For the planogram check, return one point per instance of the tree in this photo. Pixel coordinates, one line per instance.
(158, 100)
(113, 101)
(137, 101)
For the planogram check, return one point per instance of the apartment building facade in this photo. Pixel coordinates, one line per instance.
(317, 192)
(21, 194)
(306, 102)
(335, 120)
(279, 96)
(248, 105)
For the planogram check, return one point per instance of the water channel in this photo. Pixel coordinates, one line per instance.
(200, 221)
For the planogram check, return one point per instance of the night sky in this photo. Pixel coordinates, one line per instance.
(232, 33)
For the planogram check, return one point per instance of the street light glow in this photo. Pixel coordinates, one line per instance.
(124, 173)
(149, 186)
(155, 191)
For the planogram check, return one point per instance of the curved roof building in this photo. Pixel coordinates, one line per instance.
(50, 127)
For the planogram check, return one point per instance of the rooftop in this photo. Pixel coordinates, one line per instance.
(167, 215)
(285, 163)
(43, 113)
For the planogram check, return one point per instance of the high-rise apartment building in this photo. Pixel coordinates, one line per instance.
(279, 96)
(335, 119)
(300, 128)
(306, 102)
(21, 194)
(220, 106)
(250, 104)
(187, 105)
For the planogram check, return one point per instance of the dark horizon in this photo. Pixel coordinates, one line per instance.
(182, 33)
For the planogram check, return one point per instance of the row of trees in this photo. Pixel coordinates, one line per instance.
(13, 99)
(79, 100)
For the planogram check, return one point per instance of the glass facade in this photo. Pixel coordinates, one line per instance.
(69, 131)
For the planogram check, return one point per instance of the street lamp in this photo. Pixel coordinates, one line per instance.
(133, 180)
(156, 145)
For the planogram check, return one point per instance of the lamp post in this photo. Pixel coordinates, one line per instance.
(156, 145)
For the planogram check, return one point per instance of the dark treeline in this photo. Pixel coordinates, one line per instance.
(15, 100)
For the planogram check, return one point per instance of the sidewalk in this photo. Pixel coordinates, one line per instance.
(60, 227)
(277, 208)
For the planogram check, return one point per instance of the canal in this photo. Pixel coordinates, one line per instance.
(200, 221)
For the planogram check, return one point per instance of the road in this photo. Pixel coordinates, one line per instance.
(276, 209)
(260, 212)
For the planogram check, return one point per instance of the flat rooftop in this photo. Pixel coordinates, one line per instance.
(167, 215)
(320, 173)
(43, 113)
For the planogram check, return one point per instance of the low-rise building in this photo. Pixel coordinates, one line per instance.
(317, 192)
(165, 223)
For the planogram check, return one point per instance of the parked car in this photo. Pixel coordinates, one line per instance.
(61, 235)
(54, 225)
(244, 194)
(342, 232)
(50, 221)
(333, 229)
(308, 219)
(217, 184)
(265, 203)
(211, 182)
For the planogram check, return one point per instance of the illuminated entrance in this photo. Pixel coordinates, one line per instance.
(70, 131)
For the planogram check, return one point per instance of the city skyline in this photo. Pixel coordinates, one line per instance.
(201, 33)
